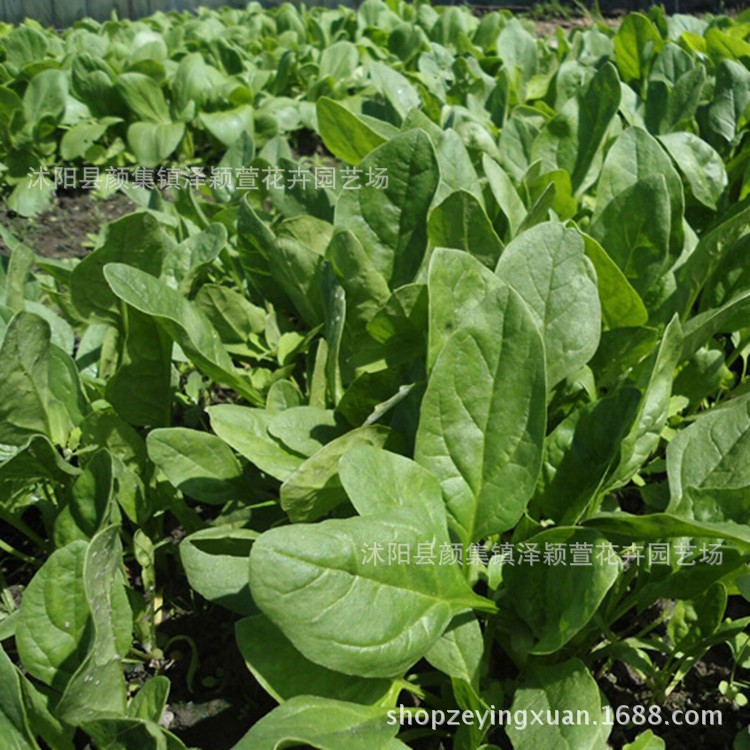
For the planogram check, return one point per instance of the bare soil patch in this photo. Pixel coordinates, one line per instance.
(65, 229)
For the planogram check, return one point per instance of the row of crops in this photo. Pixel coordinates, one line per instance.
(470, 432)
(64, 13)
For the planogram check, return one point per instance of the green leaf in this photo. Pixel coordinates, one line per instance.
(517, 48)
(504, 193)
(540, 208)
(366, 289)
(700, 164)
(67, 404)
(457, 283)
(93, 82)
(657, 526)
(144, 97)
(339, 60)
(714, 246)
(458, 652)
(390, 223)
(24, 375)
(732, 316)
(141, 388)
(153, 143)
(130, 734)
(151, 700)
(196, 81)
(549, 269)
(29, 200)
(376, 481)
(731, 278)
(42, 722)
(215, 562)
(135, 239)
(80, 138)
(669, 107)
(14, 722)
(246, 430)
(90, 505)
(646, 741)
(315, 488)
(396, 88)
(567, 687)
(46, 96)
(199, 464)
(107, 430)
(622, 306)
(322, 723)
(24, 45)
(183, 322)
(401, 321)
(726, 46)
(297, 268)
(483, 416)
(598, 107)
(305, 429)
(704, 373)
(283, 394)
(332, 624)
(557, 601)
(456, 169)
(229, 125)
(656, 388)
(62, 335)
(711, 453)
(20, 265)
(98, 685)
(335, 321)
(460, 222)
(284, 673)
(557, 182)
(345, 135)
(302, 201)
(184, 262)
(729, 102)
(234, 317)
(697, 618)
(581, 451)
(54, 617)
(637, 41)
(37, 459)
(636, 156)
(634, 231)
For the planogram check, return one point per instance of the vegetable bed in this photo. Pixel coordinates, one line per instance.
(407, 382)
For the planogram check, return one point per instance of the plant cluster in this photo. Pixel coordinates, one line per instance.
(534, 336)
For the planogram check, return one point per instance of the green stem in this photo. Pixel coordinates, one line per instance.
(7, 597)
(5, 547)
(194, 661)
(19, 525)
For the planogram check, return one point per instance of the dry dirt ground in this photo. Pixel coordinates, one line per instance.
(64, 230)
